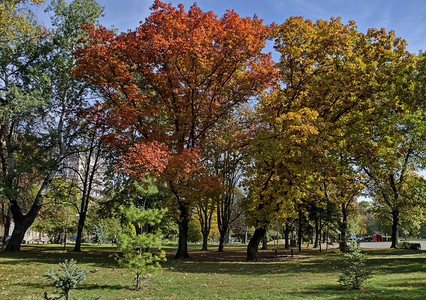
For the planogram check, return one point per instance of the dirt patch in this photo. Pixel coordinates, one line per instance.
(241, 255)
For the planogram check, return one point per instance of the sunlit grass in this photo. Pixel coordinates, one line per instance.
(397, 274)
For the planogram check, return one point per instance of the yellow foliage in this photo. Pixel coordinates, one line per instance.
(214, 231)
(14, 19)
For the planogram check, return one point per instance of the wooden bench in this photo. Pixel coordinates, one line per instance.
(276, 251)
(38, 241)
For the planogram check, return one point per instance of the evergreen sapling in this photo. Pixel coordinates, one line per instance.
(138, 248)
(67, 277)
(355, 272)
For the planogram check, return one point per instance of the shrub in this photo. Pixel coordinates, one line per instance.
(415, 246)
(407, 245)
(194, 232)
(67, 277)
(355, 272)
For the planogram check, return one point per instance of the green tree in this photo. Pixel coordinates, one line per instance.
(355, 272)
(25, 148)
(194, 232)
(420, 81)
(40, 100)
(98, 234)
(59, 208)
(393, 160)
(138, 248)
(16, 23)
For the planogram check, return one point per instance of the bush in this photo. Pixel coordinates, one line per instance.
(66, 278)
(355, 272)
(415, 246)
(194, 232)
(407, 245)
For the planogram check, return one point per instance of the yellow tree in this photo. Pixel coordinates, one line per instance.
(337, 84)
(279, 173)
(15, 19)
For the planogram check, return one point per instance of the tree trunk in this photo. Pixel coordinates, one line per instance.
(324, 236)
(265, 242)
(182, 252)
(395, 228)
(81, 220)
(316, 239)
(222, 240)
(14, 244)
(253, 245)
(205, 213)
(205, 218)
(343, 246)
(222, 222)
(205, 240)
(320, 230)
(138, 229)
(23, 222)
(286, 236)
(300, 232)
(89, 175)
(7, 220)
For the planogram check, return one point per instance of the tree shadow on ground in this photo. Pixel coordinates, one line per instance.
(397, 265)
(93, 286)
(95, 259)
(367, 293)
(233, 262)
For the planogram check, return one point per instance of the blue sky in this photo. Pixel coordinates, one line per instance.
(407, 18)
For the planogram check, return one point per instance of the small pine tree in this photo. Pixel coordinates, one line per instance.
(99, 235)
(355, 272)
(137, 248)
(67, 277)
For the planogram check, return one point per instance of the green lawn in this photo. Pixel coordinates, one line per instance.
(397, 274)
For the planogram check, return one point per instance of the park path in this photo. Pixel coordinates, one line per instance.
(379, 245)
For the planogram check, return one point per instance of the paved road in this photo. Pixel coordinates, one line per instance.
(386, 244)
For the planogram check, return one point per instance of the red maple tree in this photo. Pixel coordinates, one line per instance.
(167, 83)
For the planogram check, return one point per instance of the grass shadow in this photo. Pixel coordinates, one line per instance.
(92, 286)
(367, 292)
(30, 256)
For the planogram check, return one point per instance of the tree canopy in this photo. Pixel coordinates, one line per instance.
(187, 110)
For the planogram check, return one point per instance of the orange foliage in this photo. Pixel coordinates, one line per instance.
(168, 83)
